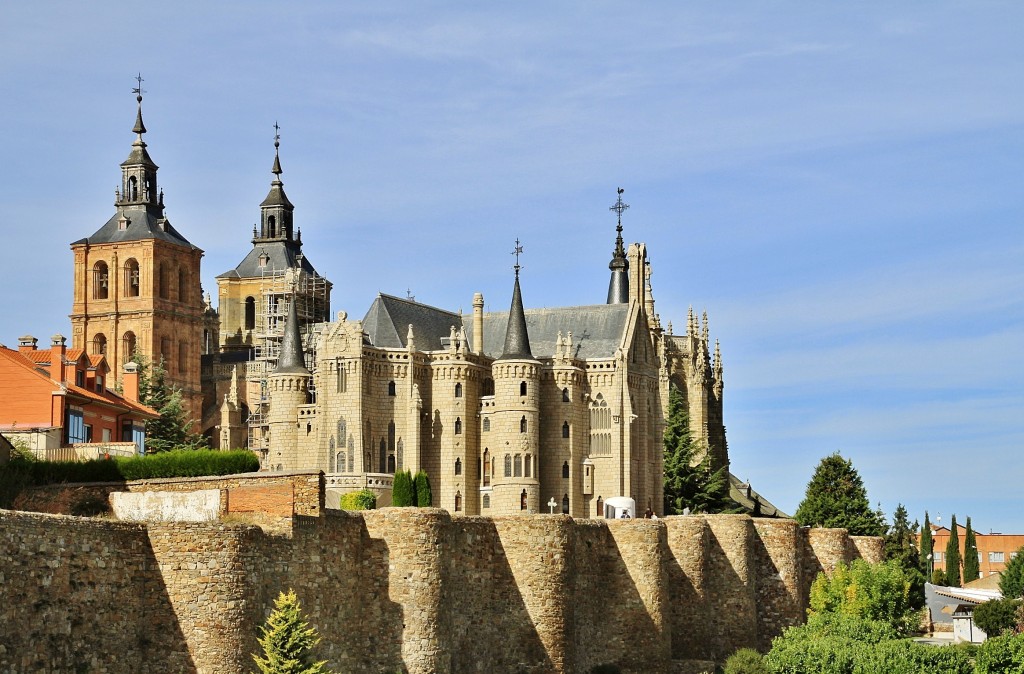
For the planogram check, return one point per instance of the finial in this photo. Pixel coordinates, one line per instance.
(517, 252)
(277, 144)
(619, 206)
(139, 127)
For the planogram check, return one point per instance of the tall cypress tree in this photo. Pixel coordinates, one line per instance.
(926, 546)
(970, 554)
(953, 555)
(690, 483)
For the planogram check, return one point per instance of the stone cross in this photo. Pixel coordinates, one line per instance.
(551, 506)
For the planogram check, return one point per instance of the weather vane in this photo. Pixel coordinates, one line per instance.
(517, 252)
(619, 207)
(277, 134)
(138, 91)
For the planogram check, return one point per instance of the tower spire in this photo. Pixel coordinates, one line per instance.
(277, 210)
(517, 338)
(291, 360)
(138, 172)
(277, 158)
(618, 286)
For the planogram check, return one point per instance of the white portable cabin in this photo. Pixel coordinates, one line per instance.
(619, 508)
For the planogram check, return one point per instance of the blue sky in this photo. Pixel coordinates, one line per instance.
(838, 185)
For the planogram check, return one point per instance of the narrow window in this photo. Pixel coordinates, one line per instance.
(565, 470)
(508, 465)
(565, 504)
(487, 424)
(271, 227)
(458, 466)
(330, 452)
(458, 390)
(522, 500)
(341, 462)
(522, 388)
(399, 451)
(100, 281)
(565, 429)
(182, 357)
(341, 377)
(161, 280)
(250, 313)
(99, 344)
(565, 395)
(128, 341)
(458, 426)
(458, 501)
(182, 285)
(133, 188)
(600, 507)
(487, 501)
(391, 388)
(528, 465)
(131, 278)
(518, 463)
(487, 467)
(522, 424)
(383, 456)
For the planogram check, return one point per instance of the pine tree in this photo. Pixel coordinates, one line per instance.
(926, 544)
(971, 561)
(403, 493)
(899, 546)
(836, 497)
(173, 429)
(690, 483)
(953, 556)
(1011, 582)
(421, 483)
(287, 640)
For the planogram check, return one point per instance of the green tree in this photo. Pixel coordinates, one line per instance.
(1011, 583)
(953, 555)
(926, 545)
(173, 429)
(971, 561)
(996, 616)
(288, 640)
(421, 483)
(403, 493)
(868, 591)
(899, 547)
(690, 480)
(836, 497)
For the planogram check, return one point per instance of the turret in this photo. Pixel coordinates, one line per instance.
(288, 386)
(138, 172)
(276, 211)
(618, 286)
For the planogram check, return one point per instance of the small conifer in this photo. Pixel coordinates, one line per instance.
(424, 499)
(287, 640)
(953, 556)
(403, 493)
(971, 561)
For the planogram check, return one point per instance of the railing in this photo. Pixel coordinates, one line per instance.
(86, 451)
(357, 481)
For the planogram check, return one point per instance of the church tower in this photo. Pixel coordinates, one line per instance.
(516, 418)
(252, 295)
(136, 281)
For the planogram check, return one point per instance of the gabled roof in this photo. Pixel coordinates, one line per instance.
(597, 330)
(144, 222)
(388, 319)
(282, 255)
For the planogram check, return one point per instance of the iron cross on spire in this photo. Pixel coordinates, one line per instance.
(517, 252)
(619, 207)
(138, 91)
(277, 134)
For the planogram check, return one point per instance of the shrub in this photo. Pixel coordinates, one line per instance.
(1000, 654)
(996, 615)
(745, 661)
(402, 491)
(178, 463)
(359, 500)
(862, 590)
(424, 499)
(1011, 583)
(287, 640)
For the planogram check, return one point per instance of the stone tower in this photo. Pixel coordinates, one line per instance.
(137, 284)
(288, 417)
(516, 417)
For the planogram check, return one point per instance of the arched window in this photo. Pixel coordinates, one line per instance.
(383, 456)
(508, 465)
(518, 466)
(600, 426)
(161, 279)
(128, 344)
(458, 390)
(352, 455)
(182, 357)
(391, 388)
(182, 285)
(522, 424)
(271, 226)
(565, 429)
(600, 507)
(487, 424)
(99, 343)
(565, 470)
(100, 281)
(522, 388)
(250, 313)
(133, 188)
(458, 426)
(342, 432)
(565, 504)
(458, 501)
(341, 462)
(522, 500)
(488, 387)
(487, 467)
(458, 466)
(528, 465)
(487, 501)
(131, 278)
(330, 453)
(565, 395)
(399, 451)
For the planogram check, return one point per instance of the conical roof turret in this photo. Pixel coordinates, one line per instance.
(517, 337)
(291, 360)
(618, 286)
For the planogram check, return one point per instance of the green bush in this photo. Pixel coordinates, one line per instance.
(1000, 655)
(403, 493)
(177, 463)
(996, 615)
(421, 483)
(862, 590)
(1011, 582)
(359, 500)
(745, 661)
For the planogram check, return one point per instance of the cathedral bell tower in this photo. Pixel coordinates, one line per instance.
(136, 280)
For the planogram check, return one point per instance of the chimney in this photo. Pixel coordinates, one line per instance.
(130, 383)
(27, 343)
(478, 323)
(58, 352)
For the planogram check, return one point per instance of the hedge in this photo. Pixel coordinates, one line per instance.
(359, 500)
(177, 463)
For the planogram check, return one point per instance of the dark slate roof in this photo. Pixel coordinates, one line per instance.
(139, 155)
(291, 360)
(142, 224)
(283, 255)
(276, 196)
(517, 337)
(388, 319)
(597, 330)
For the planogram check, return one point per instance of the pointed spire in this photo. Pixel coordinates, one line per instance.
(291, 359)
(139, 127)
(618, 286)
(517, 338)
(277, 158)
(704, 329)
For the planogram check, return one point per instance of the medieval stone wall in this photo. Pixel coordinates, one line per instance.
(412, 589)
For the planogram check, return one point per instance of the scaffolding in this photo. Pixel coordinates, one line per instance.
(278, 289)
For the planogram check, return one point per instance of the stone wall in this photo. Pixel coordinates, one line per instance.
(415, 590)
